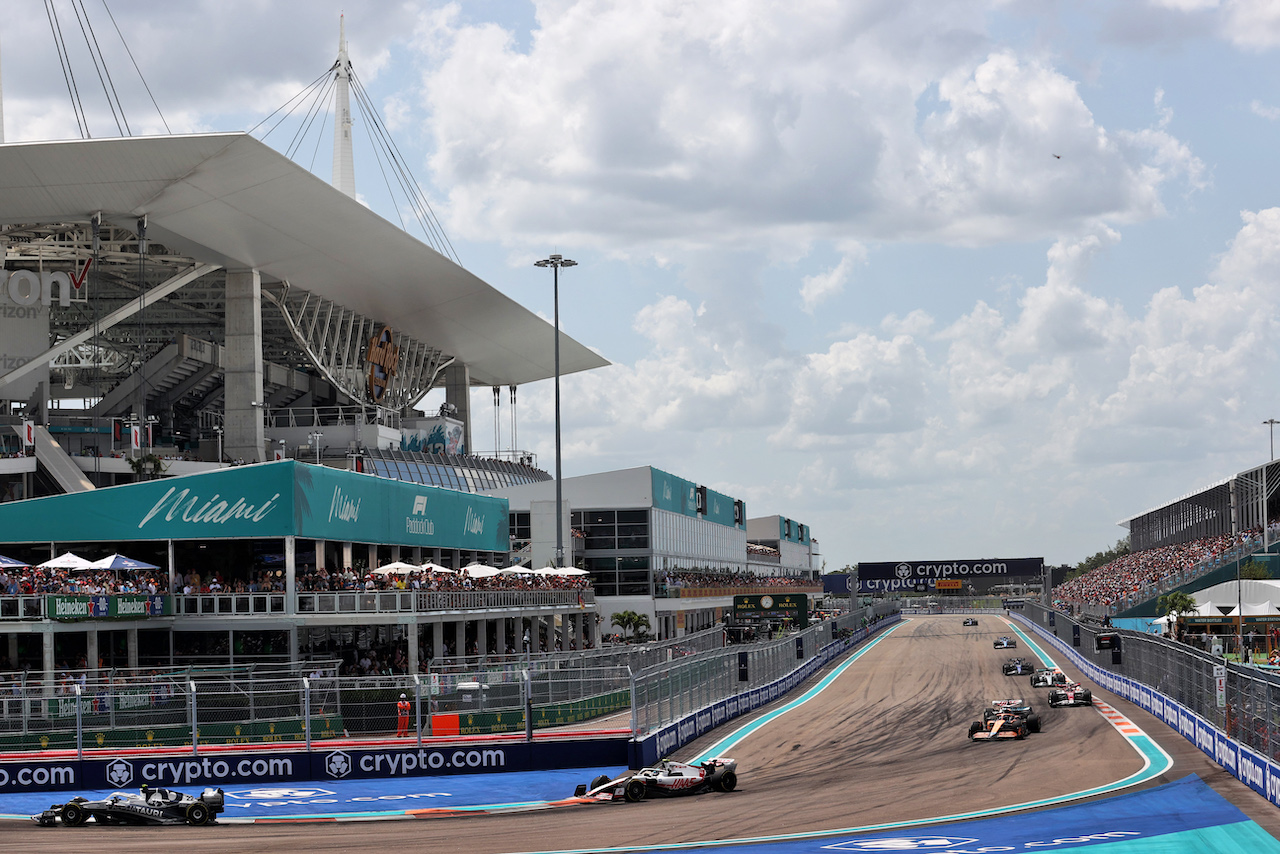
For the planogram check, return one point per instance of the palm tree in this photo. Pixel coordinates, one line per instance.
(629, 622)
(1176, 604)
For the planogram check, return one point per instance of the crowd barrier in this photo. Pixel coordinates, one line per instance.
(1207, 729)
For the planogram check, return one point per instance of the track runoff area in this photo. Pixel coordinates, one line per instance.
(1110, 818)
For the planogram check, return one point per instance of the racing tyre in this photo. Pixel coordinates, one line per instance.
(975, 728)
(634, 791)
(1033, 723)
(728, 782)
(197, 814)
(73, 815)
(1088, 698)
(598, 782)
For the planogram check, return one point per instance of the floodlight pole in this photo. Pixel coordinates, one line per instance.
(555, 262)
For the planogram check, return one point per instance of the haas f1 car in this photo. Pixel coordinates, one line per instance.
(149, 806)
(1070, 694)
(1048, 678)
(666, 779)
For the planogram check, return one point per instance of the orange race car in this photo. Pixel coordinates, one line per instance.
(998, 726)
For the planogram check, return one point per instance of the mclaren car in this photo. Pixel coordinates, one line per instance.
(1002, 726)
(148, 806)
(1004, 642)
(666, 779)
(1070, 694)
(1012, 706)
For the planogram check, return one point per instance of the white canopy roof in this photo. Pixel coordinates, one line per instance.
(229, 199)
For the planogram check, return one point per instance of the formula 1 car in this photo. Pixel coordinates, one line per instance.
(1004, 725)
(1048, 677)
(1017, 667)
(149, 806)
(666, 779)
(1012, 707)
(1004, 642)
(971, 621)
(1070, 694)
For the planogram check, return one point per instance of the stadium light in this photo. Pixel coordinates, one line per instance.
(555, 262)
(1272, 422)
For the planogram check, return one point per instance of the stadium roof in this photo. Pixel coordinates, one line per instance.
(231, 200)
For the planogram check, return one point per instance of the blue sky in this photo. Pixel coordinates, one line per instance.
(827, 245)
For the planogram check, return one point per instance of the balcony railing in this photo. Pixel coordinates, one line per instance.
(662, 591)
(35, 607)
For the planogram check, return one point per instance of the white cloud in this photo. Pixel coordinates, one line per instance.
(819, 287)
(1264, 111)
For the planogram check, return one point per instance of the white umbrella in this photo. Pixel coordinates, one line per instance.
(437, 568)
(515, 570)
(561, 571)
(67, 560)
(479, 570)
(396, 568)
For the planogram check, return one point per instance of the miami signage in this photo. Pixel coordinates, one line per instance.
(922, 576)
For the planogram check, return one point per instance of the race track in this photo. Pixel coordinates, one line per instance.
(886, 742)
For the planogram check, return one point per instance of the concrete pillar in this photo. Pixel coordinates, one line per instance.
(459, 638)
(49, 666)
(291, 579)
(482, 636)
(242, 354)
(91, 650)
(437, 639)
(320, 555)
(372, 552)
(579, 629)
(411, 638)
(457, 391)
(293, 645)
(131, 644)
(346, 555)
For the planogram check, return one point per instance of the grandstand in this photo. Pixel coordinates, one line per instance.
(1194, 542)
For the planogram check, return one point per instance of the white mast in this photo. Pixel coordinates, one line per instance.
(344, 173)
(1, 112)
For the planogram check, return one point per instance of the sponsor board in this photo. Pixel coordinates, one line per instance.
(891, 576)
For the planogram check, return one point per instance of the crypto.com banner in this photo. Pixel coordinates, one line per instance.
(922, 575)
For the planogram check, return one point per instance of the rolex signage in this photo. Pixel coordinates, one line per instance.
(383, 357)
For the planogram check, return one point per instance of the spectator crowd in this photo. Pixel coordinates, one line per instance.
(1119, 581)
(32, 580)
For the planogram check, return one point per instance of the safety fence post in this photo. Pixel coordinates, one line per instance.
(306, 711)
(195, 729)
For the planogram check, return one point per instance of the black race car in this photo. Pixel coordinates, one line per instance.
(1004, 642)
(1017, 667)
(971, 621)
(149, 806)
(665, 779)
(1012, 707)
(1071, 694)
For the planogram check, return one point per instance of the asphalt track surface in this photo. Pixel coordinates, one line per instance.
(886, 742)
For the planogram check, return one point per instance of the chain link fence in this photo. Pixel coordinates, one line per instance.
(665, 693)
(1250, 711)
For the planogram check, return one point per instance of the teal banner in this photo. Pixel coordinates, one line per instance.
(720, 509)
(675, 494)
(793, 531)
(336, 505)
(264, 501)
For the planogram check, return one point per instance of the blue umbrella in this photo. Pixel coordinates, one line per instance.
(119, 561)
(8, 561)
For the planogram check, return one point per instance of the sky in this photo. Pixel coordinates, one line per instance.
(947, 279)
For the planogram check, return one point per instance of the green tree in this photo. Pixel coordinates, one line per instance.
(1255, 570)
(1119, 550)
(628, 621)
(1176, 604)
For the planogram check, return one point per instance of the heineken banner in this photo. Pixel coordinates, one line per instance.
(107, 607)
(268, 500)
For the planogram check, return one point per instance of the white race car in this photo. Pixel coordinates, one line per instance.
(666, 779)
(1048, 678)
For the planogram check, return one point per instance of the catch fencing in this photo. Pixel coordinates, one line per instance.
(1250, 709)
(666, 693)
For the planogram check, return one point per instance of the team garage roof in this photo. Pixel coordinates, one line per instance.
(229, 199)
